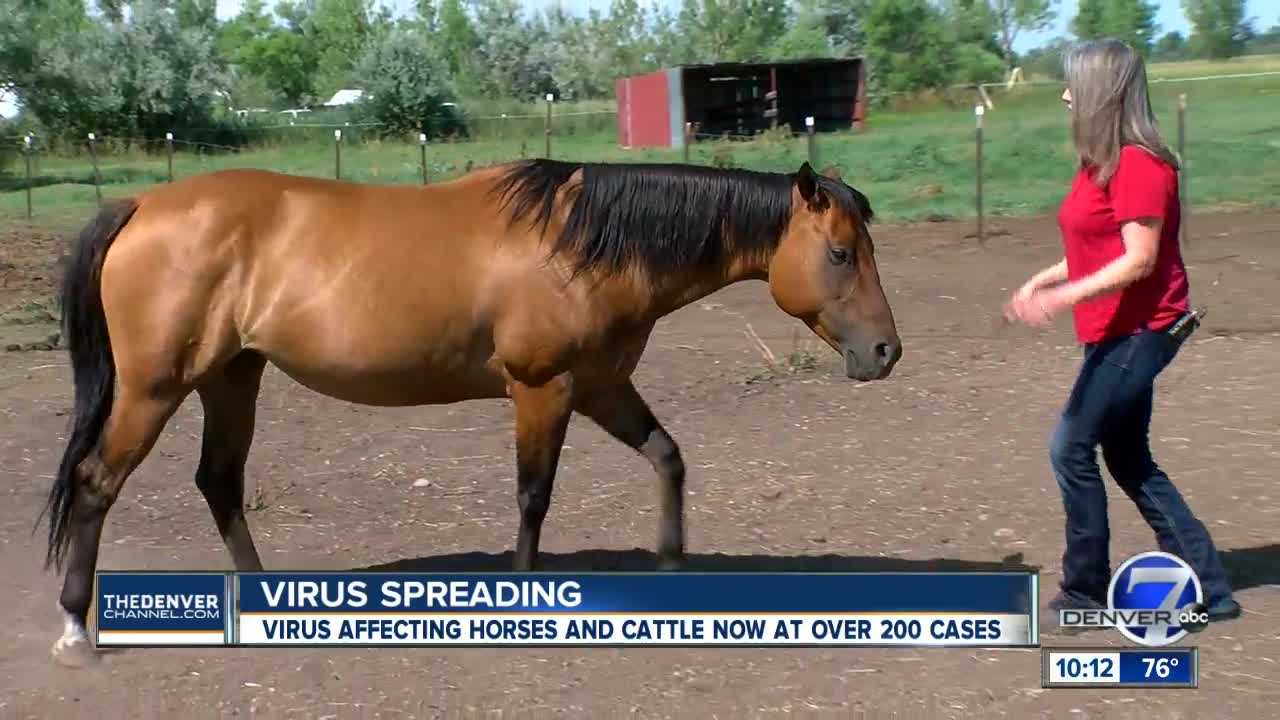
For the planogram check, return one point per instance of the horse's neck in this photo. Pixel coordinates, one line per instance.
(679, 292)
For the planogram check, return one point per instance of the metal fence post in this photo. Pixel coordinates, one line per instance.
(26, 152)
(93, 154)
(547, 128)
(1182, 162)
(422, 147)
(978, 111)
(808, 128)
(337, 154)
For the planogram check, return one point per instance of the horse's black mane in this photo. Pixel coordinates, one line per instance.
(662, 217)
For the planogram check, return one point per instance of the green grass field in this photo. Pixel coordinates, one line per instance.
(914, 165)
(1200, 68)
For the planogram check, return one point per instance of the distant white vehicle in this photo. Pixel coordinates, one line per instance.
(344, 97)
(8, 104)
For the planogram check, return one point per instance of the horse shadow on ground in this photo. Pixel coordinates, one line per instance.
(640, 560)
(1247, 567)
(1252, 567)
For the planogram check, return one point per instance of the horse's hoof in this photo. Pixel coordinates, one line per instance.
(75, 653)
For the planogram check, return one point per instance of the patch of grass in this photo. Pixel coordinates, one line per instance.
(30, 313)
(799, 360)
(795, 362)
(1201, 68)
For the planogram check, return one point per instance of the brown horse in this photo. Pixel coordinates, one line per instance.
(539, 281)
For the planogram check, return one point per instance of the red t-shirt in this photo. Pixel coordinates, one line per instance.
(1090, 219)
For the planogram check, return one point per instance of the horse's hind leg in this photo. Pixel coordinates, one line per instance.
(136, 419)
(626, 416)
(230, 402)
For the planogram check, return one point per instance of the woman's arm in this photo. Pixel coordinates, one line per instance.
(1051, 275)
(1142, 193)
(1141, 242)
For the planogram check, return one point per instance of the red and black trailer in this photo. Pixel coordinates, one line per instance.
(740, 99)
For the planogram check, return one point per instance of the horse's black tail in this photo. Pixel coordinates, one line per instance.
(84, 330)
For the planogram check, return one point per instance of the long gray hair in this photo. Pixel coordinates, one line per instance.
(1110, 106)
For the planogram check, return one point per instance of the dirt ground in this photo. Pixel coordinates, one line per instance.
(943, 465)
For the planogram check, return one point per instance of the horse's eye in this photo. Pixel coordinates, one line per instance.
(839, 256)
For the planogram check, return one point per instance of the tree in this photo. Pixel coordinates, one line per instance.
(27, 29)
(1266, 42)
(199, 15)
(806, 38)
(1170, 46)
(503, 51)
(1047, 60)
(338, 31)
(1089, 22)
(909, 45)
(286, 62)
(974, 23)
(168, 78)
(405, 79)
(149, 74)
(1014, 16)
(1133, 21)
(44, 49)
(844, 22)
(1219, 27)
(458, 40)
(979, 56)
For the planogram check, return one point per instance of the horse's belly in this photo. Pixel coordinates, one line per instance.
(396, 368)
(396, 387)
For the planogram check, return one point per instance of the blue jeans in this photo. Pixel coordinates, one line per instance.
(1110, 406)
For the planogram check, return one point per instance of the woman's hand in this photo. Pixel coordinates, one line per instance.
(1037, 307)
(1033, 305)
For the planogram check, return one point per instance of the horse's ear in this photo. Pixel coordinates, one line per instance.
(807, 184)
(832, 172)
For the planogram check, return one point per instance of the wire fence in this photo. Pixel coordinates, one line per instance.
(1012, 159)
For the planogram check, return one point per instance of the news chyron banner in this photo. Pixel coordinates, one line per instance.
(568, 609)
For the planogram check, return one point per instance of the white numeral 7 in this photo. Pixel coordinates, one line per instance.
(1148, 575)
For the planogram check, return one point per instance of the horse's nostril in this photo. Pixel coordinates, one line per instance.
(887, 353)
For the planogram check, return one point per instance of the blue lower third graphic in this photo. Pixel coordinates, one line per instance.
(680, 609)
(136, 609)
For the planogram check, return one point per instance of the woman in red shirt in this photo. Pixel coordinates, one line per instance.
(1124, 280)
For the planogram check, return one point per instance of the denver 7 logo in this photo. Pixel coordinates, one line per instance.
(1159, 582)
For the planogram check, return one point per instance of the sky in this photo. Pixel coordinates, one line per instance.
(1169, 18)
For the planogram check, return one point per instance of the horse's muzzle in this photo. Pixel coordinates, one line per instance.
(875, 362)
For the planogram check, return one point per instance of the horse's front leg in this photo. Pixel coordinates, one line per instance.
(542, 418)
(625, 415)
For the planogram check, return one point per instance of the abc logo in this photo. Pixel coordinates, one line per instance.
(1194, 618)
